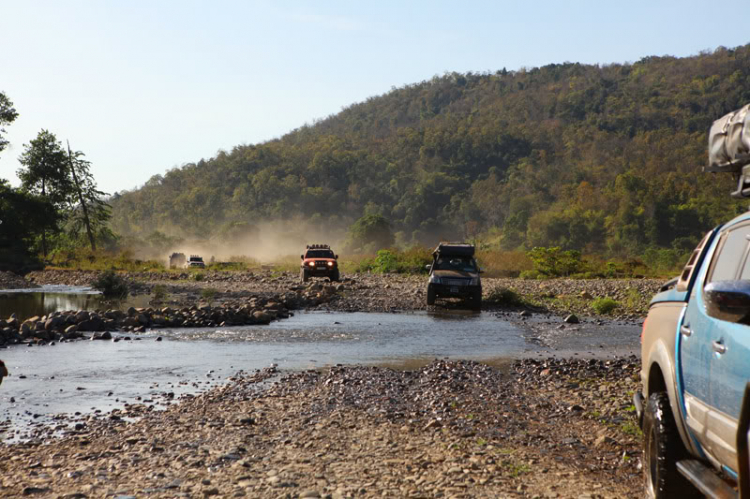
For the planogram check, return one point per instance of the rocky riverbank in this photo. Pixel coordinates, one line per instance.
(9, 280)
(451, 429)
(380, 292)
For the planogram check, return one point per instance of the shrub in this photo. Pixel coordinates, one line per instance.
(111, 285)
(159, 293)
(386, 262)
(605, 305)
(530, 274)
(199, 276)
(504, 296)
(208, 294)
(554, 262)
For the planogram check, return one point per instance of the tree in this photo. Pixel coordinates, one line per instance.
(91, 211)
(371, 230)
(7, 115)
(45, 174)
(21, 213)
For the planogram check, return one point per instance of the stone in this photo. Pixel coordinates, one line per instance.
(572, 319)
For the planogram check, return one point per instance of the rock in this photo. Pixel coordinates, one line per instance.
(81, 316)
(572, 319)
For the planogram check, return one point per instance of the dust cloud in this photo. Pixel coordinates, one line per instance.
(271, 242)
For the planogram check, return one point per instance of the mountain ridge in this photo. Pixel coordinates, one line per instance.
(603, 159)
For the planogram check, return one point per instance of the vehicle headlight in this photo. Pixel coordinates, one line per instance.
(474, 281)
(330, 264)
(434, 279)
(311, 264)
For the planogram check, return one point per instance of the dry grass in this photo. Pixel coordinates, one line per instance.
(503, 263)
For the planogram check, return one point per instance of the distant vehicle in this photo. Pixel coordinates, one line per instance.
(694, 407)
(177, 260)
(454, 273)
(195, 261)
(319, 261)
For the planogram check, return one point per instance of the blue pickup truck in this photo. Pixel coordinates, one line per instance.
(694, 407)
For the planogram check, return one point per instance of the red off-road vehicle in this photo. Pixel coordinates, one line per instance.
(319, 261)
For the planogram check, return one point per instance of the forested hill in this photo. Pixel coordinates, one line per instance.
(603, 159)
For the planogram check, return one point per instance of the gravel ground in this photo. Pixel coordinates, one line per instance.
(536, 428)
(547, 428)
(378, 293)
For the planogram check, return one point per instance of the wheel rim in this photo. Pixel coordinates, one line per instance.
(651, 464)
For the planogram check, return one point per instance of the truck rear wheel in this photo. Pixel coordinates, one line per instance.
(662, 448)
(430, 295)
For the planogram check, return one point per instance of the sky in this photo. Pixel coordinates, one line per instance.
(144, 86)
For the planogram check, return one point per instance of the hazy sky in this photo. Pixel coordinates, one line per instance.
(145, 86)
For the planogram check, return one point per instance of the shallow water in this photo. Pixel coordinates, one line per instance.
(26, 303)
(88, 375)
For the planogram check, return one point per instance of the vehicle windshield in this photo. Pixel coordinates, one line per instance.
(459, 263)
(319, 254)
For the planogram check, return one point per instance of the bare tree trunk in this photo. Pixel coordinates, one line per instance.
(44, 228)
(83, 203)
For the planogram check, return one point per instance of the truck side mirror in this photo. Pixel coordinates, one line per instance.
(728, 301)
(336, 257)
(302, 257)
(428, 267)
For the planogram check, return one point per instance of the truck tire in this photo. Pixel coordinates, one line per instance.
(662, 448)
(303, 275)
(476, 300)
(335, 276)
(430, 295)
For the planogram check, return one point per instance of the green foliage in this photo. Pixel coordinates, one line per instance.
(371, 231)
(385, 262)
(8, 114)
(553, 262)
(601, 159)
(208, 294)
(21, 213)
(159, 293)
(199, 276)
(604, 305)
(531, 274)
(111, 285)
(411, 261)
(504, 297)
(88, 209)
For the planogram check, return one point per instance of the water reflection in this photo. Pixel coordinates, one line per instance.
(49, 299)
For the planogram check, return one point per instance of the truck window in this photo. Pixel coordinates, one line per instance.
(687, 272)
(732, 251)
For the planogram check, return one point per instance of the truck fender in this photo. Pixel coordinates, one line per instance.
(662, 360)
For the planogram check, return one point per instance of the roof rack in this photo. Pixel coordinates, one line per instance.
(317, 246)
(454, 248)
(729, 149)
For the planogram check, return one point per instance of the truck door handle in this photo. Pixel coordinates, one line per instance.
(686, 331)
(719, 347)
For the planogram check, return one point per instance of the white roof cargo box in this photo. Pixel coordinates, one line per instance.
(729, 148)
